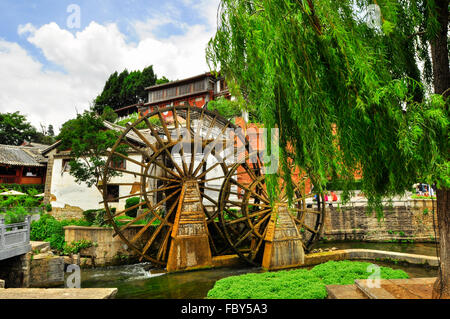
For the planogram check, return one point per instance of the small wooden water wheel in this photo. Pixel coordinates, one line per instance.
(182, 167)
(273, 235)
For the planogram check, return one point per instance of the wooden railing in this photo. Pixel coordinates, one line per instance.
(14, 238)
(8, 179)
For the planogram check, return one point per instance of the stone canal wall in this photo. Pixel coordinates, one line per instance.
(107, 249)
(409, 220)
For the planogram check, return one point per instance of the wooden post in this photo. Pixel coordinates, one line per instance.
(189, 248)
(283, 244)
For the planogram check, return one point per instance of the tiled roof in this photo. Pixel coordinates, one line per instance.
(21, 155)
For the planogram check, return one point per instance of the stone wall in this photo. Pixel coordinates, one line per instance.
(46, 271)
(67, 212)
(404, 220)
(107, 249)
(15, 271)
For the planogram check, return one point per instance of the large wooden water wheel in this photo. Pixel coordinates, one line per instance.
(183, 163)
(274, 234)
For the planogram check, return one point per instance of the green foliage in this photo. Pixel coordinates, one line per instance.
(19, 201)
(298, 283)
(96, 217)
(76, 246)
(339, 184)
(16, 215)
(293, 284)
(14, 129)
(310, 66)
(155, 121)
(109, 114)
(88, 142)
(131, 202)
(48, 207)
(228, 109)
(345, 272)
(47, 228)
(125, 89)
(38, 188)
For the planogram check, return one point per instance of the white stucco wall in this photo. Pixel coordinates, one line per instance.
(68, 192)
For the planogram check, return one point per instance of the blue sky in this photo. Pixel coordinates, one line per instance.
(55, 70)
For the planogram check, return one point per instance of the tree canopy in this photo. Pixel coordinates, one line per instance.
(126, 88)
(88, 142)
(345, 94)
(15, 129)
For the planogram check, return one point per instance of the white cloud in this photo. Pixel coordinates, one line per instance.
(88, 57)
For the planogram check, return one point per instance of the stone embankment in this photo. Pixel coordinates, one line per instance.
(404, 220)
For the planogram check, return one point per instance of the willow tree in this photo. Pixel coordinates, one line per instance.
(348, 93)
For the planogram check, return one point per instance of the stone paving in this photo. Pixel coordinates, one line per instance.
(58, 293)
(414, 288)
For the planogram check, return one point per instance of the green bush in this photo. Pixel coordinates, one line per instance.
(345, 272)
(47, 228)
(130, 202)
(76, 246)
(48, 208)
(293, 284)
(38, 188)
(21, 200)
(298, 283)
(15, 216)
(97, 216)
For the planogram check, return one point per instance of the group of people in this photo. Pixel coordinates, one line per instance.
(424, 189)
(332, 197)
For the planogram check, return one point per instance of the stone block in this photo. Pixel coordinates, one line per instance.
(46, 271)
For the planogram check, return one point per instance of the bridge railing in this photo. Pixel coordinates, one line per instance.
(14, 238)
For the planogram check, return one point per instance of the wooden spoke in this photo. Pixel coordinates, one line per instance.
(240, 240)
(151, 209)
(160, 141)
(238, 220)
(210, 149)
(129, 208)
(115, 199)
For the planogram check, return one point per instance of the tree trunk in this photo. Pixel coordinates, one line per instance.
(441, 287)
(441, 82)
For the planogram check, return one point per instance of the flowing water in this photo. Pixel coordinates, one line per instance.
(134, 281)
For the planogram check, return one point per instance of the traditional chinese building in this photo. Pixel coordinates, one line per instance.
(195, 91)
(22, 164)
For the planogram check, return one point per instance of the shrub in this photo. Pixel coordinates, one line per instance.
(76, 246)
(39, 188)
(293, 284)
(298, 283)
(89, 215)
(345, 272)
(47, 228)
(96, 216)
(48, 208)
(130, 202)
(15, 216)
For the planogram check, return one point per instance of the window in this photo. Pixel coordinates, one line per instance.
(171, 92)
(199, 86)
(157, 95)
(65, 165)
(118, 163)
(112, 193)
(184, 89)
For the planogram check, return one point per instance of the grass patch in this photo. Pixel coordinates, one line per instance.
(298, 283)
